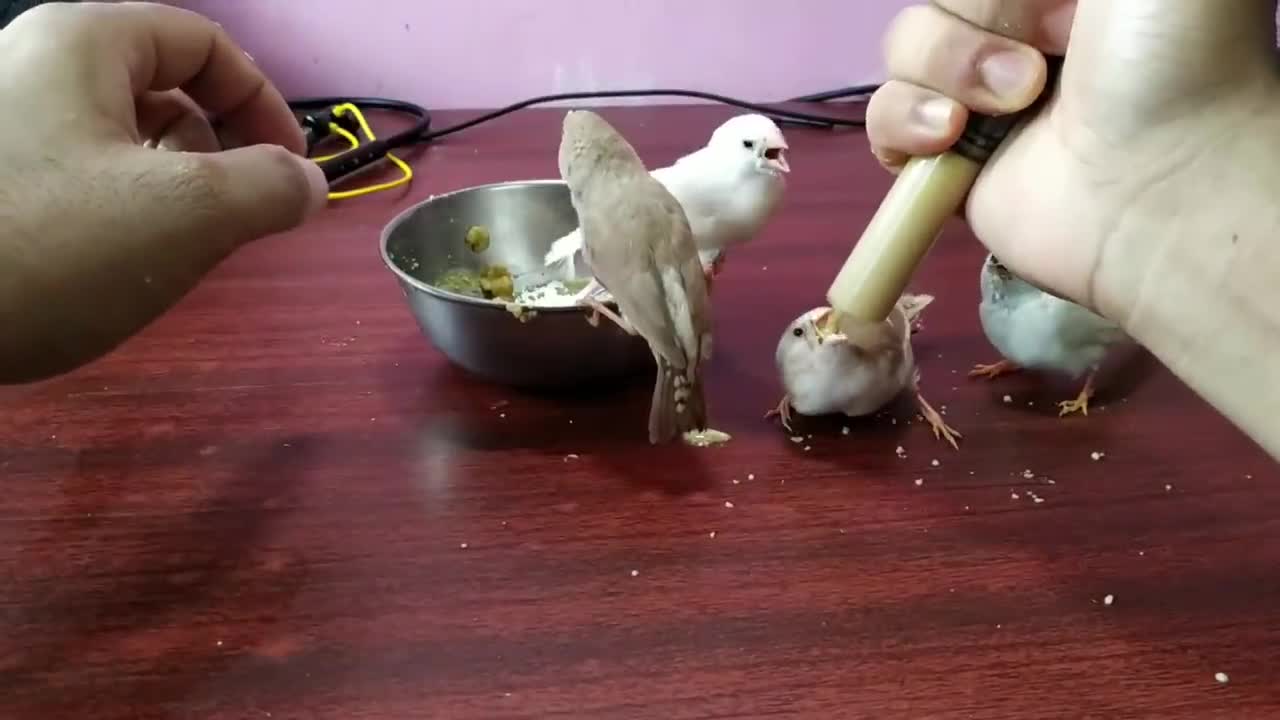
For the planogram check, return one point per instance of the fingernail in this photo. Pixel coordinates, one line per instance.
(1007, 73)
(934, 115)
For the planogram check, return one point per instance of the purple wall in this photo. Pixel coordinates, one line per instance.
(484, 53)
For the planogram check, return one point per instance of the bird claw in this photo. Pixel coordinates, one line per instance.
(711, 270)
(1081, 403)
(941, 430)
(782, 411)
(994, 370)
(598, 309)
(1068, 407)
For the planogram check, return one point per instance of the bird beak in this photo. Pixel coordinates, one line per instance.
(827, 335)
(776, 158)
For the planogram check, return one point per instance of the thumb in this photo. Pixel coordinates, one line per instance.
(251, 191)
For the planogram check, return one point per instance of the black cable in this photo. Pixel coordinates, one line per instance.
(403, 107)
(316, 123)
(320, 109)
(855, 92)
(777, 114)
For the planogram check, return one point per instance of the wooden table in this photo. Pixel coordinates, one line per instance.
(281, 502)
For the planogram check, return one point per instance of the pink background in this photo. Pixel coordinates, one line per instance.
(486, 53)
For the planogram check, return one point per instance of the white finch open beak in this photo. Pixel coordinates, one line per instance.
(776, 158)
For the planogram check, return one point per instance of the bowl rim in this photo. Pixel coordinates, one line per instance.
(441, 293)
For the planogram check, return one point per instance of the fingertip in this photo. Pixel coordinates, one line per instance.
(318, 185)
(905, 119)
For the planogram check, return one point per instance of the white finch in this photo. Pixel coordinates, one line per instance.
(855, 369)
(728, 189)
(1033, 329)
(639, 247)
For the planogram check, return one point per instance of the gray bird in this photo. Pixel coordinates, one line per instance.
(1035, 330)
(639, 247)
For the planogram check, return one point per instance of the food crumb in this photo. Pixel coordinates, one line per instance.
(1221, 677)
(706, 438)
(1108, 600)
(570, 456)
(464, 546)
(736, 481)
(1168, 487)
(520, 312)
(1037, 499)
(935, 463)
(1015, 496)
(1097, 455)
(797, 439)
(477, 239)
(807, 448)
(919, 482)
(1007, 399)
(728, 504)
(901, 451)
(712, 534)
(635, 573)
(1028, 474)
(844, 431)
(751, 476)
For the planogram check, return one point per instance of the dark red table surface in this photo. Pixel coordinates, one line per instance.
(281, 502)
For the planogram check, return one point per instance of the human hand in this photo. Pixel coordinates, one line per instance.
(1154, 98)
(100, 232)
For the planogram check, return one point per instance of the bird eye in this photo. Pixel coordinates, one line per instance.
(749, 144)
(798, 332)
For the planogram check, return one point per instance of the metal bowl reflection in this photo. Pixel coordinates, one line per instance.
(551, 347)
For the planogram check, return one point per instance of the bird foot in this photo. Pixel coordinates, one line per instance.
(994, 370)
(711, 270)
(782, 411)
(941, 430)
(1079, 405)
(598, 309)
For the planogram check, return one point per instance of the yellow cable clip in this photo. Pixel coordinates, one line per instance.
(407, 172)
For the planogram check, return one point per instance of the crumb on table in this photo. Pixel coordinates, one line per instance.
(706, 438)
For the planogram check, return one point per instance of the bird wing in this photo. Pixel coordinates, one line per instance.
(684, 281)
(564, 248)
(621, 246)
(1080, 327)
(693, 183)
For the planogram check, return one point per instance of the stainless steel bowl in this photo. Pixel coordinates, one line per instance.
(552, 347)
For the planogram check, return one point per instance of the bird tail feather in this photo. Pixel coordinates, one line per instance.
(678, 406)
